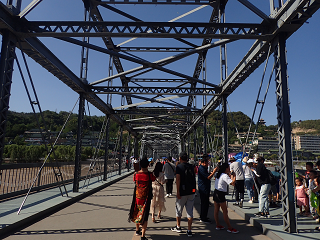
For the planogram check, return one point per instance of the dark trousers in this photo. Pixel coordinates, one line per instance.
(204, 198)
(239, 189)
(169, 186)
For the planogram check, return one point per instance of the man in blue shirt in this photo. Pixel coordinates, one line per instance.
(204, 185)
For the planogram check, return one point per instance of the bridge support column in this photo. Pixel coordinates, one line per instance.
(129, 151)
(284, 133)
(6, 70)
(205, 134)
(120, 151)
(77, 164)
(224, 129)
(106, 154)
(135, 143)
(195, 143)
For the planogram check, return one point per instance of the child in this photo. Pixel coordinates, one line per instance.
(312, 185)
(302, 198)
(309, 167)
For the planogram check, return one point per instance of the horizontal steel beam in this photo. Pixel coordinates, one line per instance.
(164, 80)
(157, 2)
(154, 49)
(144, 29)
(163, 111)
(153, 90)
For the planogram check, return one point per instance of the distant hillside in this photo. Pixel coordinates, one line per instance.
(306, 127)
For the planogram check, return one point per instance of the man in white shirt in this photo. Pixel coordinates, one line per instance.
(236, 168)
(169, 171)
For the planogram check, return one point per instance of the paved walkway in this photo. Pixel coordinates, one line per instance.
(103, 215)
(101, 211)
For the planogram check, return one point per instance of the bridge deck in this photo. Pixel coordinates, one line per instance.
(101, 212)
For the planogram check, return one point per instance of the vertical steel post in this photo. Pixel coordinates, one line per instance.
(120, 151)
(106, 149)
(224, 129)
(135, 147)
(284, 133)
(194, 143)
(129, 151)
(188, 144)
(77, 164)
(6, 69)
(205, 134)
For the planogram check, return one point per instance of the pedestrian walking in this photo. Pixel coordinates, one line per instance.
(248, 178)
(236, 167)
(158, 200)
(204, 187)
(186, 188)
(140, 207)
(265, 186)
(224, 178)
(169, 170)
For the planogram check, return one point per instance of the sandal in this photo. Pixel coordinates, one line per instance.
(153, 219)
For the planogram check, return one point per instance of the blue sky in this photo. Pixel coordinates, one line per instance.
(302, 56)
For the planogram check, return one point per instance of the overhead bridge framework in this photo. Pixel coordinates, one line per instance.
(179, 105)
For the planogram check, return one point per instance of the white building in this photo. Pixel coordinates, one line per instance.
(307, 142)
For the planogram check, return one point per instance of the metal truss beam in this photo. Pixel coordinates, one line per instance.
(284, 133)
(144, 29)
(156, 112)
(290, 18)
(154, 90)
(201, 57)
(42, 55)
(157, 2)
(164, 80)
(154, 49)
(145, 64)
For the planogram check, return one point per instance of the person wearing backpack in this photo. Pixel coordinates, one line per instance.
(169, 170)
(186, 188)
(264, 181)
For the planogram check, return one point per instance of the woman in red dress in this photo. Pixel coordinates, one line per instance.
(140, 206)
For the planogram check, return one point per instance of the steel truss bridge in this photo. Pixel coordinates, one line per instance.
(175, 113)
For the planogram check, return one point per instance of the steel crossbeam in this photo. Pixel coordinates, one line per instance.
(157, 2)
(153, 90)
(144, 29)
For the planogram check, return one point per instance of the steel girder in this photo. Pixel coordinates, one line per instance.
(154, 90)
(158, 2)
(288, 18)
(144, 29)
(284, 133)
(6, 70)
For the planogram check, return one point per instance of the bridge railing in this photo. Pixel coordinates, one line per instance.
(16, 179)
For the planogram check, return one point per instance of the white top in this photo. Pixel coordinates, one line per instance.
(222, 183)
(236, 167)
(247, 172)
(168, 170)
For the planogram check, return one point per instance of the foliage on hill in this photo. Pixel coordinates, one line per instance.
(306, 127)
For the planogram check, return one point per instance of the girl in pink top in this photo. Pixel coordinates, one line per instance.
(301, 195)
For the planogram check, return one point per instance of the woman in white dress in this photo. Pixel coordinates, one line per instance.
(158, 200)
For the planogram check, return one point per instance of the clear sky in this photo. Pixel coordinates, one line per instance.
(303, 53)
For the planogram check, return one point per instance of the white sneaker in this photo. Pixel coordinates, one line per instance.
(167, 195)
(250, 201)
(170, 194)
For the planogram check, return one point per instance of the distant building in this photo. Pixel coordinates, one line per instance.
(266, 145)
(307, 142)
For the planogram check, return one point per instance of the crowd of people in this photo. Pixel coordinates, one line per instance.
(262, 185)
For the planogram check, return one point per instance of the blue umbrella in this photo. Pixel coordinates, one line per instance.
(239, 156)
(150, 159)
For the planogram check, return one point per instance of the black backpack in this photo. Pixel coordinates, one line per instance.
(188, 181)
(272, 179)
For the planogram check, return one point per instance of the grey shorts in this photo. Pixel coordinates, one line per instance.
(186, 201)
